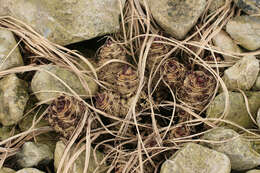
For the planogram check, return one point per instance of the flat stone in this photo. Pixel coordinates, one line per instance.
(29, 170)
(243, 74)
(245, 30)
(223, 41)
(177, 17)
(13, 99)
(46, 86)
(237, 112)
(249, 6)
(239, 150)
(10, 55)
(78, 166)
(253, 171)
(67, 22)
(34, 153)
(194, 158)
(6, 170)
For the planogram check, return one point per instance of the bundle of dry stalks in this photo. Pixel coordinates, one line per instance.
(142, 138)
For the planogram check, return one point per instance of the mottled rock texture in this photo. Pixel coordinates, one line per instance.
(223, 41)
(216, 4)
(237, 112)
(34, 153)
(68, 21)
(240, 152)
(249, 6)
(243, 74)
(9, 52)
(6, 170)
(47, 83)
(177, 17)
(245, 30)
(13, 98)
(194, 158)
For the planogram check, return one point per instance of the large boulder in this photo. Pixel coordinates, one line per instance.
(245, 31)
(240, 152)
(13, 98)
(177, 17)
(194, 158)
(46, 85)
(9, 52)
(68, 21)
(237, 112)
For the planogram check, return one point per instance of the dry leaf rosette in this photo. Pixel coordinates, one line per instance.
(127, 81)
(173, 73)
(156, 54)
(65, 113)
(113, 104)
(110, 51)
(197, 89)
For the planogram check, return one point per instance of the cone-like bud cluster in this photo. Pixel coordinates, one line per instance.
(127, 81)
(114, 104)
(184, 128)
(110, 51)
(110, 103)
(173, 73)
(65, 113)
(156, 54)
(197, 89)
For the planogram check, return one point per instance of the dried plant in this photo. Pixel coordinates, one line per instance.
(197, 89)
(64, 115)
(173, 73)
